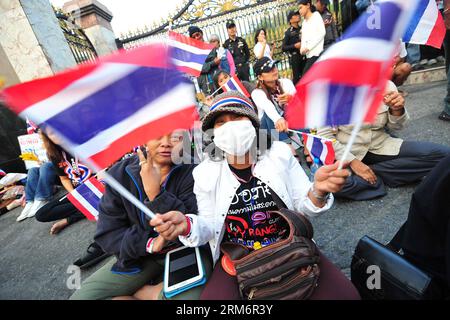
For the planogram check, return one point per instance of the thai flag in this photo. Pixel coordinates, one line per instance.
(188, 54)
(231, 63)
(427, 25)
(86, 198)
(347, 83)
(320, 148)
(102, 110)
(31, 127)
(2, 173)
(234, 84)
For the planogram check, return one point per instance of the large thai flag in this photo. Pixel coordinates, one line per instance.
(427, 26)
(188, 54)
(320, 148)
(102, 110)
(347, 83)
(234, 84)
(86, 198)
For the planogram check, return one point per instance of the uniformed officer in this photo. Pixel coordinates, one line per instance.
(291, 45)
(239, 50)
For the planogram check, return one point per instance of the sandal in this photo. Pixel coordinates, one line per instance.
(94, 255)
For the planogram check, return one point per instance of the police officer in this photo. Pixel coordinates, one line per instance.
(291, 45)
(239, 50)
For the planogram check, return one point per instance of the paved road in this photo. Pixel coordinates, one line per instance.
(34, 264)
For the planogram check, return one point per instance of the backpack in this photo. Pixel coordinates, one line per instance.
(286, 270)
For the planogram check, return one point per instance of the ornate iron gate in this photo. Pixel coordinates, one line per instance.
(211, 17)
(81, 47)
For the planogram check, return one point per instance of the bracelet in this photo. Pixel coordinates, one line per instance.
(150, 244)
(188, 229)
(317, 196)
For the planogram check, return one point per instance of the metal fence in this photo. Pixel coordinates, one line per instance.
(272, 15)
(252, 15)
(81, 47)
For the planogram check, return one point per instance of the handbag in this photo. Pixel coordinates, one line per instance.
(398, 279)
(284, 270)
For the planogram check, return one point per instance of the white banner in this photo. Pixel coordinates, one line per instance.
(32, 143)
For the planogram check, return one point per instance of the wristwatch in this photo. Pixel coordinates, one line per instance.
(318, 197)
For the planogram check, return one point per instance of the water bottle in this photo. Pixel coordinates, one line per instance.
(314, 167)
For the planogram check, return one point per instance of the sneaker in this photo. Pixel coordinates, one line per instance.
(424, 62)
(432, 62)
(444, 116)
(440, 59)
(417, 67)
(24, 214)
(36, 206)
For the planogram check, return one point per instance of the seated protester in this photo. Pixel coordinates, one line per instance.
(210, 67)
(124, 230)
(222, 77)
(38, 189)
(378, 158)
(240, 162)
(271, 96)
(221, 53)
(425, 237)
(72, 173)
(402, 69)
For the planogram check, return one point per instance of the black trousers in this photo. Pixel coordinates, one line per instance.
(57, 210)
(243, 72)
(413, 163)
(297, 63)
(308, 64)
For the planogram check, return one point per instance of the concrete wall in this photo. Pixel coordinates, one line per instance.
(46, 28)
(31, 40)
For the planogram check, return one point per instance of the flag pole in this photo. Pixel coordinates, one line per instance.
(212, 94)
(350, 143)
(113, 183)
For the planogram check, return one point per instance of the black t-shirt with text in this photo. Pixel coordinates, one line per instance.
(249, 219)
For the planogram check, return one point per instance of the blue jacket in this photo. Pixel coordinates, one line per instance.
(123, 229)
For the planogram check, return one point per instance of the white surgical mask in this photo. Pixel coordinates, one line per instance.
(235, 137)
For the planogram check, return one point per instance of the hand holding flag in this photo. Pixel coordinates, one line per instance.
(101, 110)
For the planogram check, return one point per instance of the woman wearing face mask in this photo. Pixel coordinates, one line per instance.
(271, 96)
(248, 171)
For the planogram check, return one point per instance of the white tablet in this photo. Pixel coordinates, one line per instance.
(183, 270)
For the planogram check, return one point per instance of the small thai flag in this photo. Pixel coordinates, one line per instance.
(427, 26)
(86, 198)
(320, 148)
(234, 84)
(31, 127)
(2, 173)
(188, 54)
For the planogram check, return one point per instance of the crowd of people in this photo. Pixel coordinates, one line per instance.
(251, 161)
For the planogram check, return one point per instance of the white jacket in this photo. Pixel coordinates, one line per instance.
(264, 105)
(215, 187)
